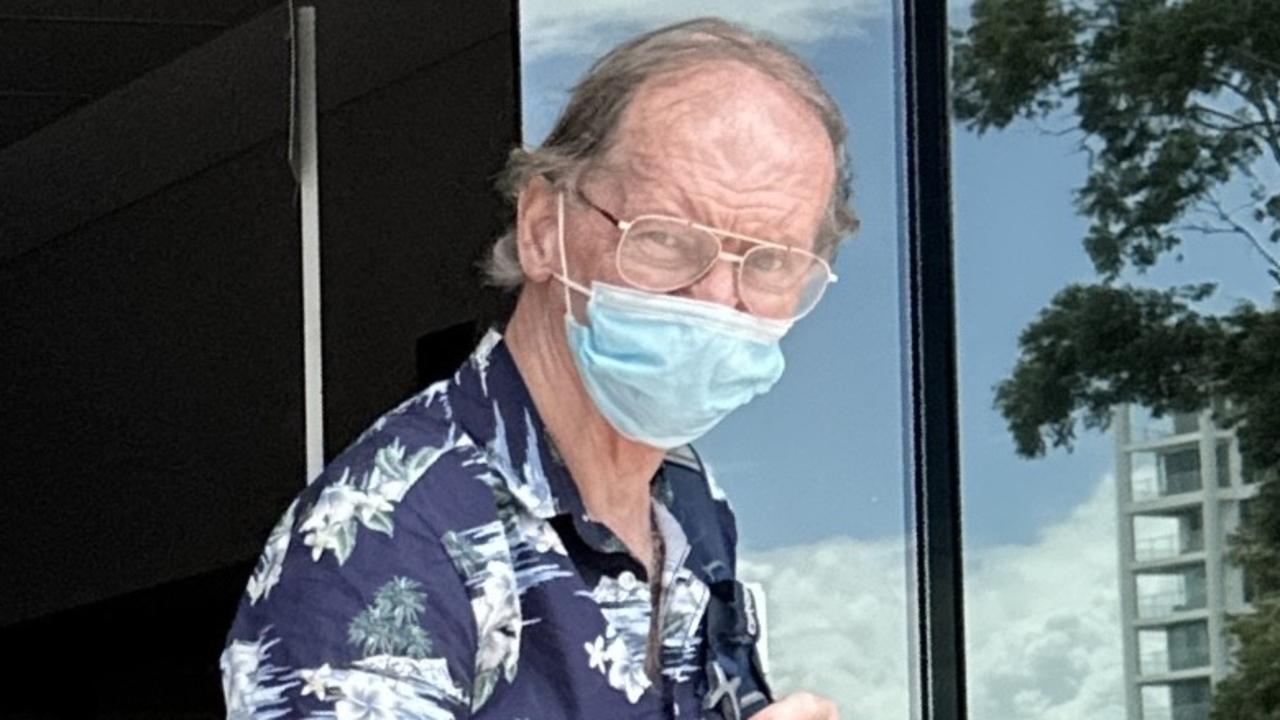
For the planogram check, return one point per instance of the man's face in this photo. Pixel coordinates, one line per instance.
(723, 146)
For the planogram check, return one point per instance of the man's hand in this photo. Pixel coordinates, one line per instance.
(800, 706)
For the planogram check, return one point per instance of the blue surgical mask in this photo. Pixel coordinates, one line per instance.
(662, 369)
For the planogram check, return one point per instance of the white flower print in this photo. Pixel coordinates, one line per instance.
(367, 697)
(332, 523)
(627, 672)
(316, 681)
(369, 506)
(337, 537)
(614, 660)
(596, 657)
(624, 601)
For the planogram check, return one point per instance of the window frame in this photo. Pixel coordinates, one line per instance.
(929, 351)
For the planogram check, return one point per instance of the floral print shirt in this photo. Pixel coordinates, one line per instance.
(443, 566)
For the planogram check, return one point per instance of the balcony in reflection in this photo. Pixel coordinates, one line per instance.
(1167, 535)
(1176, 647)
(1161, 594)
(1168, 471)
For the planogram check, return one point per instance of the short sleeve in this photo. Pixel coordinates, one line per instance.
(355, 608)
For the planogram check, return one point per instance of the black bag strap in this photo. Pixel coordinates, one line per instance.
(736, 683)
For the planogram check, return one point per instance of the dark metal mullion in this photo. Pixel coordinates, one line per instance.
(929, 348)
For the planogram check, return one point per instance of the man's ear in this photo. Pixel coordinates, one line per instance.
(536, 228)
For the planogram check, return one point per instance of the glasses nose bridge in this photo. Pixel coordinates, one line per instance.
(730, 257)
(735, 260)
(723, 283)
(721, 252)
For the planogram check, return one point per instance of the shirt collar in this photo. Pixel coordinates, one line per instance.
(493, 406)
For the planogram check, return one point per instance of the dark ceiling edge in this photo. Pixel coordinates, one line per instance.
(225, 13)
(65, 175)
(159, 132)
(105, 20)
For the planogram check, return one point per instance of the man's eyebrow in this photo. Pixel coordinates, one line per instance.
(685, 207)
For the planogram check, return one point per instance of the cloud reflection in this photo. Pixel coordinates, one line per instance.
(1043, 621)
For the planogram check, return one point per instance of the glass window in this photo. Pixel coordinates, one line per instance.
(813, 469)
(1180, 471)
(1168, 471)
(1182, 700)
(1180, 646)
(1092, 550)
(1161, 593)
(1163, 535)
(1222, 463)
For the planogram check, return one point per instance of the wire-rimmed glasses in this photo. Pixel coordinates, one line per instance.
(660, 253)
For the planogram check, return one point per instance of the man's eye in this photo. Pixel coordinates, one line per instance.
(663, 240)
(768, 260)
(662, 245)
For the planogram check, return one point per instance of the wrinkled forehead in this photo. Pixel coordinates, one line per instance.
(722, 137)
(722, 112)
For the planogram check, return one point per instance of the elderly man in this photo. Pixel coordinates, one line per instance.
(534, 537)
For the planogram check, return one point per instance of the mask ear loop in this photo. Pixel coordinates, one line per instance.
(564, 263)
(563, 276)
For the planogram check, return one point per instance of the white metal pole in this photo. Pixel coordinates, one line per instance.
(308, 167)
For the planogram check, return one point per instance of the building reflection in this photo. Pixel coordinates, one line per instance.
(1180, 495)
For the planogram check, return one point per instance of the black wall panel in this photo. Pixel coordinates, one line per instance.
(408, 212)
(151, 398)
(151, 395)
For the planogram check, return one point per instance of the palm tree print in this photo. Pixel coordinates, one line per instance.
(389, 626)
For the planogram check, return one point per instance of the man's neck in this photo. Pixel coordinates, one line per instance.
(612, 473)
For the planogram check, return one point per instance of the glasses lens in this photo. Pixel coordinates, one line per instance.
(663, 255)
(782, 283)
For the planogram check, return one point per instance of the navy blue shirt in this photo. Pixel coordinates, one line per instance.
(444, 566)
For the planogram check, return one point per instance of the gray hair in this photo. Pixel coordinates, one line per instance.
(585, 128)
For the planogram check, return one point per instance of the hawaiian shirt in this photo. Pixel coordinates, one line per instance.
(444, 566)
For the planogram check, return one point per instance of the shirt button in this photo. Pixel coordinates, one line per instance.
(627, 580)
(542, 545)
